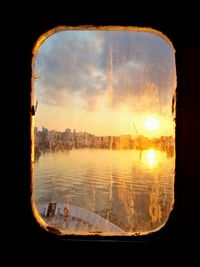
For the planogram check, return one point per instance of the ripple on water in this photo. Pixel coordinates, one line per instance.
(126, 189)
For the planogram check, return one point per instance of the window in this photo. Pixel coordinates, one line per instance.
(104, 153)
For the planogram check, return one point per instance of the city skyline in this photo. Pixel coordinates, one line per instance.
(72, 130)
(106, 83)
(70, 139)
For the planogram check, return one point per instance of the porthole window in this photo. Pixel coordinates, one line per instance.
(103, 130)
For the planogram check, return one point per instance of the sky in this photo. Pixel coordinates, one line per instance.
(105, 82)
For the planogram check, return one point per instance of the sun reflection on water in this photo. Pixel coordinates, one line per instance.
(131, 188)
(151, 158)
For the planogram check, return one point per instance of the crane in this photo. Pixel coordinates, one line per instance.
(138, 141)
(135, 129)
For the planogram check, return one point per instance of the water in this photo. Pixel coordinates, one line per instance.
(133, 189)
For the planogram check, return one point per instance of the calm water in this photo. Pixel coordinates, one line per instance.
(131, 188)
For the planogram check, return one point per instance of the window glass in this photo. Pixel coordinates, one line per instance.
(104, 153)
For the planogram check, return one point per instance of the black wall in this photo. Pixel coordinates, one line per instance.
(183, 227)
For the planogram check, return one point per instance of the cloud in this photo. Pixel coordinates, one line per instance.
(112, 68)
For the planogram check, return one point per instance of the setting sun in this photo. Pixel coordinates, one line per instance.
(152, 123)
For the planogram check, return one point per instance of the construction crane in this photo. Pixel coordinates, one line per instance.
(135, 129)
(138, 142)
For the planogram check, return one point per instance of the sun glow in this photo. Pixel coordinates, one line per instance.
(152, 123)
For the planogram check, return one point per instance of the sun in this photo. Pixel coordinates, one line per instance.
(151, 123)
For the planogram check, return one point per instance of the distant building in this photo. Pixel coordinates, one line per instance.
(68, 131)
(45, 131)
(125, 142)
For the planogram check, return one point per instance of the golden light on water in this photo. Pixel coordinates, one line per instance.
(151, 158)
(152, 123)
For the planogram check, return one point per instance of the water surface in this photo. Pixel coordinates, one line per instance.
(131, 188)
